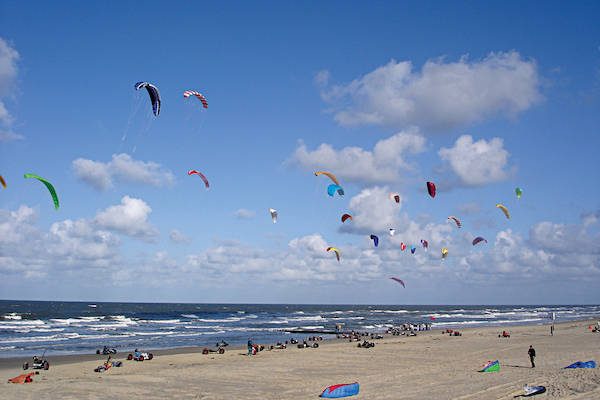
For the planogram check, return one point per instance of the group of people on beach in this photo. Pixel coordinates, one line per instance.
(409, 327)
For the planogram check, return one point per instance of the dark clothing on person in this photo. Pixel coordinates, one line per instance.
(531, 353)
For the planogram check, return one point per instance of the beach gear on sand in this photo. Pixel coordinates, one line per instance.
(25, 378)
(491, 366)
(532, 391)
(581, 364)
(338, 391)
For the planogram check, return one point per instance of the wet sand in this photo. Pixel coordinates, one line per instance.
(430, 365)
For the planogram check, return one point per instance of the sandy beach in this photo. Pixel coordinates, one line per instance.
(430, 365)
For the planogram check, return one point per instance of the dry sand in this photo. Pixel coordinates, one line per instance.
(429, 366)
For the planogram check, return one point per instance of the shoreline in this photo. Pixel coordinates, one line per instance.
(429, 365)
(61, 359)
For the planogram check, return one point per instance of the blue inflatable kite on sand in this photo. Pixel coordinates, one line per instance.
(343, 390)
(581, 364)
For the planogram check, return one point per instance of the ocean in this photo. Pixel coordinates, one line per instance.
(32, 327)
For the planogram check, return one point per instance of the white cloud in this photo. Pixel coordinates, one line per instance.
(8, 76)
(95, 173)
(374, 212)
(242, 213)
(442, 96)
(322, 78)
(122, 167)
(354, 164)
(477, 163)
(178, 237)
(129, 218)
(27, 251)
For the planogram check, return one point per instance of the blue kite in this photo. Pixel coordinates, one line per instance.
(375, 240)
(153, 93)
(331, 189)
(343, 390)
(581, 364)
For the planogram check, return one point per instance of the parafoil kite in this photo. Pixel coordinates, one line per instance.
(395, 197)
(375, 240)
(331, 189)
(504, 210)
(346, 216)
(333, 178)
(273, 215)
(444, 252)
(478, 239)
(399, 281)
(3, 182)
(199, 96)
(337, 253)
(424, 243)
(413, 249)
(193, 171)
(431, 188)
(392, 231)
(48, 186)
(518, 192)
(455, 220)
(402, 246)
(153, 93)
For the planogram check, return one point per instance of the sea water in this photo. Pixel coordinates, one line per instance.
(32, 327)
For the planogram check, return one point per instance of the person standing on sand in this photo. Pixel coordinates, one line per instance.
(531, 353)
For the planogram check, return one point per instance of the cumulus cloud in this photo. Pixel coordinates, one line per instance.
(29, 252)
(354, 164)
(242, 213)
(129, 218)
(124, 168)
(477, 163)
(177, 237)
(8, 76)
(374, 212)
(442, 96)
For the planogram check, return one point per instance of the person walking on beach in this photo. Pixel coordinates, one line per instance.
(250, 346)
(531, 353)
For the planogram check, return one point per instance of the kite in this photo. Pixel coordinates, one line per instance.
(518, 192)
(48, 185)
(444, 253)
(337, 252)
(455, 220)
(424, 243)
(532, 391)
(392, 231)
(193, 171)
(273, 215)
(375, 240)
(491, 366)
(478, 239)
(346, 216)
(399, 281)
(3, 182)
(413, 249)
(402, 246)
(153, 93)
(581, 364)
(395, 197)
(333, 178)
(343, 390)
(331, 189)
(199, 96)
(431, 188)
(504, 210)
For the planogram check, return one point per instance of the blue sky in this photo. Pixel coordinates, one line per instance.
(478, 97)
